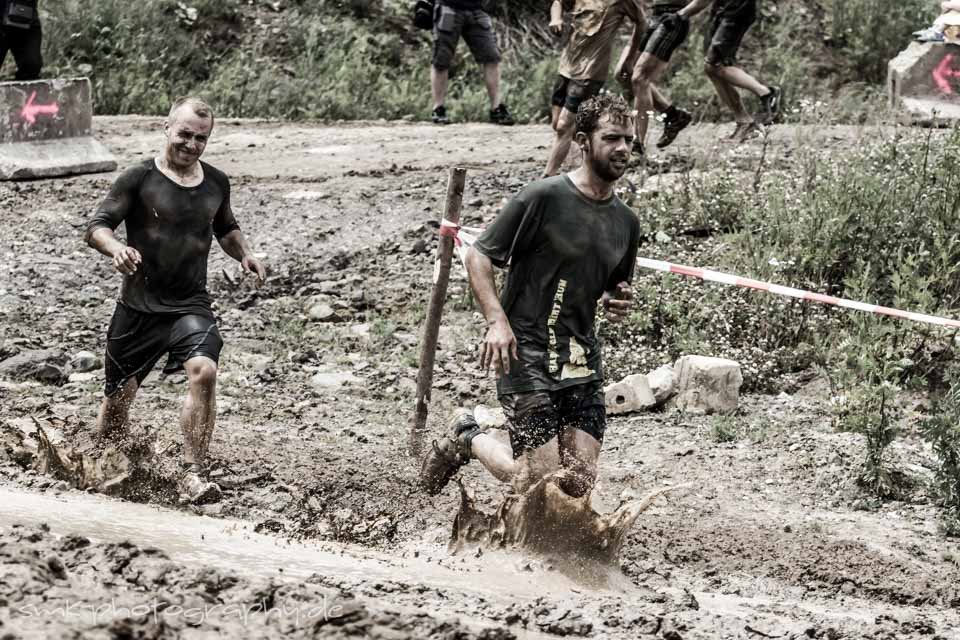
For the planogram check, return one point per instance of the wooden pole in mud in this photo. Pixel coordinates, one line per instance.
(441, 276)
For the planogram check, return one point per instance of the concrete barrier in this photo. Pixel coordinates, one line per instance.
(924, 81)
(46, 130)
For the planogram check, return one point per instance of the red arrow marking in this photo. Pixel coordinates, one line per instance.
(943, 73)
(30, 111)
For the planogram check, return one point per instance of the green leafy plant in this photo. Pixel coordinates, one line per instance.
(942, 431)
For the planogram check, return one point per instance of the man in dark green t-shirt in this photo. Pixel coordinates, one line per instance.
(569, 242)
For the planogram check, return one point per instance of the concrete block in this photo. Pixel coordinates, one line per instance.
(663, 383)
(633, 393)
(707, 385)
(924, 81)
(46, 130)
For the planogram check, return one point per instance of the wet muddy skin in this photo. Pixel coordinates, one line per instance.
(768, 540)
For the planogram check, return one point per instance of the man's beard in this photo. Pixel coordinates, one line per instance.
(605, 169)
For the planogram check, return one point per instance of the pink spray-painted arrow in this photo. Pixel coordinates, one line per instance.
(30, 111)
(944, 72)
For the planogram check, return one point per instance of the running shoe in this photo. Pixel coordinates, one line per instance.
(439, 115)
(448, 454)
(770, 105)
(501, 116)
(673, 126)
(195, 490)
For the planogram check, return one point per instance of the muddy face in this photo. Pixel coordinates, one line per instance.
(607, 151)
(187, 136)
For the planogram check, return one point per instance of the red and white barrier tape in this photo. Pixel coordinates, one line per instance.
(466, 236)
(726, 278)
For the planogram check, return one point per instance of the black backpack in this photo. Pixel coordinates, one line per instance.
(423, 14)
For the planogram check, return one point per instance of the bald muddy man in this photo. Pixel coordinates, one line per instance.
(570, 243)
(172, 206)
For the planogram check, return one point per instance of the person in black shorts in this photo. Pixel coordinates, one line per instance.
(451, 20)
(171, 206)
(570, 243)
(21, 34)
(729, 22)
(650, 51)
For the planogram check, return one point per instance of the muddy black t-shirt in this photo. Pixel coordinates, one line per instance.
(564, 250)
(172, 227)
(463, 5)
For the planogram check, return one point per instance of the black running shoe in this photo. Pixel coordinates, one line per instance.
(439, 115)
(500, 115)
(770, 105)
(673, 126)
(448, 454)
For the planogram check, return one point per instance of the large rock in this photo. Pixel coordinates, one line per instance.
(46, 130)
(633, 393)
(43, 365)
(85, 361)
(663, 383)
(707, 385)
(924, 81)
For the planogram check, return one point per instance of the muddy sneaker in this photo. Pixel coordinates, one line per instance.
(195, 490)
(501, 116)
(449, 453)
(770, 105)
(750, 131)
(672, 126)
(439, 115)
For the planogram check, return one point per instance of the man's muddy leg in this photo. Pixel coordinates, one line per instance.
(579, 452)
(496, 456)
(561, 142)
(645, 74)
(115, 410)
(199, 409)
(491, 78)
(439, 78)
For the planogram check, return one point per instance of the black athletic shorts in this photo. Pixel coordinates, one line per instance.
(570, 94)
(725, 33)
(534, 417)
(136, 341)
(664, 35)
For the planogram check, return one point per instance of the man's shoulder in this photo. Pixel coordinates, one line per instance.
(135, 173)
(626, 212)
(546, 187)
(215, 174)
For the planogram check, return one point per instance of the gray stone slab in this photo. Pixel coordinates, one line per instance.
(46, 130)
(924, 81)
(51, 158)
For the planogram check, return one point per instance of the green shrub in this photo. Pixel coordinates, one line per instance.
(942, 431)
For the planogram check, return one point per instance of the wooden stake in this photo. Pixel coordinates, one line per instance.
(441, 277)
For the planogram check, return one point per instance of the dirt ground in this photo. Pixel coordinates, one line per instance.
(769, 540)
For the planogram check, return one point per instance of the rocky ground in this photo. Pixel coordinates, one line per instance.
(769, 539)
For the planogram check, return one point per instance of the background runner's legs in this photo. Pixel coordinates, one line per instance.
(729, 97)
(199, 409)
(740, 78)
(648, 70)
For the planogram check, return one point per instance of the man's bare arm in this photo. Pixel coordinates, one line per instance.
(500, 343)
(556, 17)
(125, 258)
(695, 7)
(950, 5)
(235, 245)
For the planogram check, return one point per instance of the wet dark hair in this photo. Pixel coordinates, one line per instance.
(606, 104)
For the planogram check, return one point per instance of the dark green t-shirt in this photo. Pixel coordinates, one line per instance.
(564, 251)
